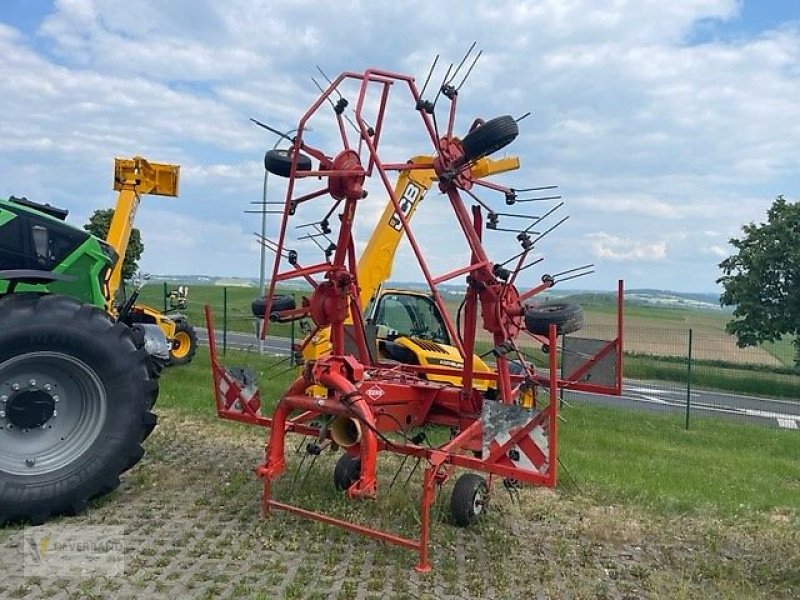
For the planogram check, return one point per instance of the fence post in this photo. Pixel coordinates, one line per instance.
(291, 342)
(224, 320)
(689, 380)
(561, 374)
(165, 296)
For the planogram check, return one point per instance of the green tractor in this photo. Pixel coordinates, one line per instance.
(77, 386)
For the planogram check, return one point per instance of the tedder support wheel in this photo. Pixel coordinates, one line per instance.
(566, 317)
(279, 303)
(279, 162)
(74, 405)
(184, 344)
(490, 137)
(346, 472)
(469, 499)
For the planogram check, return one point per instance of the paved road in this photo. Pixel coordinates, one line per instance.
(642, 395)
(248, 342)
(658, 396)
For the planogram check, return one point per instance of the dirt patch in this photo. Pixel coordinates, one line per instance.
(193, 530)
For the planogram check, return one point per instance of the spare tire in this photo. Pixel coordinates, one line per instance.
(490, 137)
(279, 304)
(279, 162)
(566, 317)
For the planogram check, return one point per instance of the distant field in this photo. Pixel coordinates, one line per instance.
(239, 313)
(660, 331)
(649, 330)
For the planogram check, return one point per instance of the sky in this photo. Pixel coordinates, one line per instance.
(666, 125)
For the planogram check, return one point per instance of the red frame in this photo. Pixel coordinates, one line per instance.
(405, 398)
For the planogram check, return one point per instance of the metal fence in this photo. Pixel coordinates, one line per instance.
(680, 372)
(688, 373)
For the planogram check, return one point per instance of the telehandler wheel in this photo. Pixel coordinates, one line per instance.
(346, 472)
(279, 162)
(469, 499)
(74, 398)
(566, 317)
(184, 344)
(490, 137)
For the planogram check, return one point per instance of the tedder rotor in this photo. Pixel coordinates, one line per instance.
(359, 401)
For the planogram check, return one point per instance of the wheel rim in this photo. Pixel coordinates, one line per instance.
(52, 409)
(479, 501)
(181, 344)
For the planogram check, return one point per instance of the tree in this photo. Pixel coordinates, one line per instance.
(98, 226)
(762, 280)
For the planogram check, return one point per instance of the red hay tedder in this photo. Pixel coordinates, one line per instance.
(365, 403)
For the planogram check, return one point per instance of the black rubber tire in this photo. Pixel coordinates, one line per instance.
(36, 332)
(279, 303)
(468, 500)
(279, 162)
(184, 334)
(566, 317)
(346, 472)
(490, 137)
(515, 367)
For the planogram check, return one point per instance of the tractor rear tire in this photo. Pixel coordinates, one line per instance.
(567, 318)
(279, 162)
(490, 137)
(184, 344)
(469, 499)
(75, 397)
(346, 472)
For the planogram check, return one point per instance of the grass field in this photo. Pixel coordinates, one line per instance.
(614, 454)
(643, 510)
(656, 340)
(237, 317)
(625, 476)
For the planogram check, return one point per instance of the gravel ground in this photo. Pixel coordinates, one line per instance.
(193, 530)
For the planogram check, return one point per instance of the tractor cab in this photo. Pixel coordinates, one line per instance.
(410, 329)
(34, 237)
(405, 313)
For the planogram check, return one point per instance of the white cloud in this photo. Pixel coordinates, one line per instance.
(617, 248)
(654, 140)
(718, 251)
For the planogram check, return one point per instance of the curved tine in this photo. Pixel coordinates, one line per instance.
(546, 231)
(272, 129)
(568, 271)
(461, 64)
(444, 82)
(328, 79)
(475, 197)
(563, 279)
(544, 216)
(428, 78)
(535, 189)
(469, 71)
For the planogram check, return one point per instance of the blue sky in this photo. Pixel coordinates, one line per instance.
(667, 126)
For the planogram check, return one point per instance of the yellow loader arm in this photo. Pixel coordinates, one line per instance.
(133, 178)
(377, 260)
